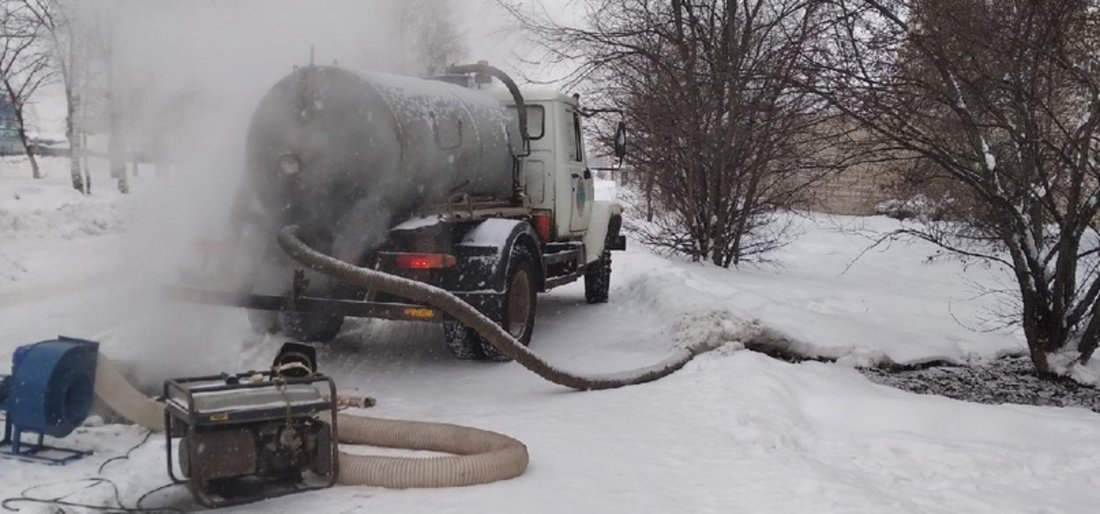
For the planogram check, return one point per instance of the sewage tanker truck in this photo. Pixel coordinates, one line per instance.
(458, 182)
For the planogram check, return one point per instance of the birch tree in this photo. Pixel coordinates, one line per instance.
(56, 21)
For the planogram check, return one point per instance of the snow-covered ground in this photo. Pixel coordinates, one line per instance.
(732, 432)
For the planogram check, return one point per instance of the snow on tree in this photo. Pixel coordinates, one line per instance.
(1001, 100)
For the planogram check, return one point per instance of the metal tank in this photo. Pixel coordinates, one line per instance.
(346, 155)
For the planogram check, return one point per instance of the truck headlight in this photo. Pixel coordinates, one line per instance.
(289, 165)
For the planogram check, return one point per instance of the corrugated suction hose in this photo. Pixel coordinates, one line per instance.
(122, 397)
(487, 328)
(479, 456)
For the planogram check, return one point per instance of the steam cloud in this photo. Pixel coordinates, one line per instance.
(190, 73)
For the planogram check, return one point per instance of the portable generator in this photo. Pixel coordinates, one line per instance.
(252, 436)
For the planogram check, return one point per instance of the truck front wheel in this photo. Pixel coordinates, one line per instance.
(597, 279)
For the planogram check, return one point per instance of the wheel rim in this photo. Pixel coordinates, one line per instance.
(519, 304)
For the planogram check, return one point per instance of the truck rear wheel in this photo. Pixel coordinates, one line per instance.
(516, 314)
(462, 342)
(597, 279)
(320, 327)
(264, 322)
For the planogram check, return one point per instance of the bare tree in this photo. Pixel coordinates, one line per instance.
(722, 134)
(1002, 101)
(55, 17)
(434, 39)
(24, 66)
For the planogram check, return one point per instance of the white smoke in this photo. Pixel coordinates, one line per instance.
(187, 75)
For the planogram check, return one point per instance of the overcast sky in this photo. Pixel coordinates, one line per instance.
(235, 49)
(493, 36)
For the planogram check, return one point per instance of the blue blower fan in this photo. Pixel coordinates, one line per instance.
(49, 393)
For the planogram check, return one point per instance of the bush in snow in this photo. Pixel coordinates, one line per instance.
(721, 136)
(1002, 105)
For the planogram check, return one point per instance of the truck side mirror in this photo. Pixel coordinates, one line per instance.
(620, 140)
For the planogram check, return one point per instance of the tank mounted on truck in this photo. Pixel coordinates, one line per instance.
(482, 190)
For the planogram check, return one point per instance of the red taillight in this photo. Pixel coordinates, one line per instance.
(425, 260)
(542, 225)
(210, 246)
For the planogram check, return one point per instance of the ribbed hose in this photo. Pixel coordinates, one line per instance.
(487, 328)
(479, 457)
(124, 399)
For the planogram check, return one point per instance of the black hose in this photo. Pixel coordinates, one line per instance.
(489, 330)
(513, 88)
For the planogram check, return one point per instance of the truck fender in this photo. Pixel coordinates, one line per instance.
(491, 242)
(603, 228)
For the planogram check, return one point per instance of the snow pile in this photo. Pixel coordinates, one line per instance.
(48, 208)
(29, 215)
(38, 215)
(897, 302)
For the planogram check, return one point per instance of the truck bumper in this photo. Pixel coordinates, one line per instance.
(617, 243)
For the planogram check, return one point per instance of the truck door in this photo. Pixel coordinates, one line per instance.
(583, 188)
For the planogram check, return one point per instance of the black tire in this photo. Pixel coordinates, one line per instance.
(264, 322)
(318, 327)
(302, 326)
(520, 301)
(597, 279)
(517, 315)
(463, 343)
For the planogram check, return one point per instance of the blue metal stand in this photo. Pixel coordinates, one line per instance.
(14, 448)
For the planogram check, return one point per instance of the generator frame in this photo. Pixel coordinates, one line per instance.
(183, 423)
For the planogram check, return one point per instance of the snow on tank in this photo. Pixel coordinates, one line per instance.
(368, 149)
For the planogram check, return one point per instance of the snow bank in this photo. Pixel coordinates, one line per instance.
(49, 208)
(41, 218)
(900, 302)
(732, 432)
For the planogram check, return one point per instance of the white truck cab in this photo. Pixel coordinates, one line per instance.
(556, 177)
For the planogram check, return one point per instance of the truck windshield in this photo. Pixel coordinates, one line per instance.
(536, 120)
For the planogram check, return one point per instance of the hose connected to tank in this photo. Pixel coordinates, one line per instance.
(487, 328)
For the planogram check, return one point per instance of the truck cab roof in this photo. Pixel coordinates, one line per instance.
(532, 94)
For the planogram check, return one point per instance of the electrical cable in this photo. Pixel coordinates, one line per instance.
(8, 503)
(148, 434)
(94, 481)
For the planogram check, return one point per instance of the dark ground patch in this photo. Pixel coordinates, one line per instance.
(1009, 380)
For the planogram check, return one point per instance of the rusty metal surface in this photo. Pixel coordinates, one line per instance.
(353, 308)
(220, 454)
